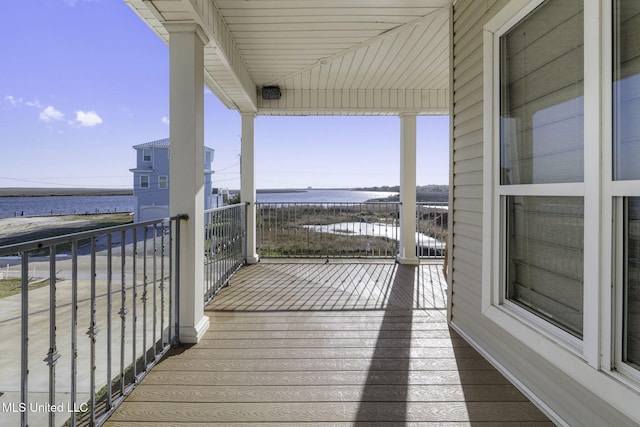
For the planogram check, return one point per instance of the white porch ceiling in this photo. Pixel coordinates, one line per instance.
(347, 57)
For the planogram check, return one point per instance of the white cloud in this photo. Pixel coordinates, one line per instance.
(17, 102)
(165, 120)
(72, 3)
(88, 119)
(35, 104)
(50, 114)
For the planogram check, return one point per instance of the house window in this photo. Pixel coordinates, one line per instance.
(146, 155)
(163, 181)
(144, 181)
(626, 175)
(541, 134)
(561, 181)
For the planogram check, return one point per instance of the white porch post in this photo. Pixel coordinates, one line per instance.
(248, 185)
(186, 183)
(407, 253)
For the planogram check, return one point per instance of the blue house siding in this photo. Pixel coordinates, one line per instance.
(152, 161)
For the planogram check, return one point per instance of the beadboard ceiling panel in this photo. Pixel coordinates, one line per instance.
(327, 56)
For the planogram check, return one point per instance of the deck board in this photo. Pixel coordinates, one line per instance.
(338, 343)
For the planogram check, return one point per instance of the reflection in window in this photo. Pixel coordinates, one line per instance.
(626, 91)
(541, 108)
(545, 258)
(632, 282)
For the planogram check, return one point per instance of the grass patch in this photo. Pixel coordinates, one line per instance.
(302, 242)
(283, 231)
(13, 286)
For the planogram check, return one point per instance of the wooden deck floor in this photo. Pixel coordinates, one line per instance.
(312, 344)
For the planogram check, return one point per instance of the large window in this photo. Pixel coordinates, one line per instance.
(561, 182)
(541, 136)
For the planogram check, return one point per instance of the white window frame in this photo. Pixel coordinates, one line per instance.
(550, 340)
(148, 183)
(144, 156)
(163, 179)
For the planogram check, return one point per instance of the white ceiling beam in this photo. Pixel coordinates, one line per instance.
(359, 102)
(206, 13)
(221, 45)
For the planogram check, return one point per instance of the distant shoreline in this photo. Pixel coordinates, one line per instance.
(43, 192)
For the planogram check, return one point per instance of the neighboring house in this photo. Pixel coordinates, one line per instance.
(220, 197)
(151, 180)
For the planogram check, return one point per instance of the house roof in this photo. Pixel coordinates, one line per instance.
(328, 57)
(160, 143)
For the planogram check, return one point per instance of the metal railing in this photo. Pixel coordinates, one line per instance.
(347, 230)
(83, 331)
(225, 235)
(431, 229)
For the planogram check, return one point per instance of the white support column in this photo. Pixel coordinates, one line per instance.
(407, 253)
(248, 186)
(186, 158)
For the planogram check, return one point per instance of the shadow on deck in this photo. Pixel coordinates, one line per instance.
(339, 343)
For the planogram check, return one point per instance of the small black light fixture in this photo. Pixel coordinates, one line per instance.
(271, 92)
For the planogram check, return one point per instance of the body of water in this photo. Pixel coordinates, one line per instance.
(321, 196)
(62, 205)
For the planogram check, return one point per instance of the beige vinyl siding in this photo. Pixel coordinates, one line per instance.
(573, 403)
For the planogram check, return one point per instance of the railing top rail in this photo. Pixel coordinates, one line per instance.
(224, 208)
(274, 203)
(71, 237)
(327, 203)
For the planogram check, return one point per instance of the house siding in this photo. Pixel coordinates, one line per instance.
(560, 395)
(152, 202)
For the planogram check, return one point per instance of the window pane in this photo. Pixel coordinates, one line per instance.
(632, 281)
(545, 258)
(626, 90)
(541, 91)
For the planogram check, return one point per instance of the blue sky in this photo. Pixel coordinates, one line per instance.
(84, 80)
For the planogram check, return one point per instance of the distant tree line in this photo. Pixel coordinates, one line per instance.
(431, 188)
(424, 193)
